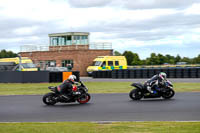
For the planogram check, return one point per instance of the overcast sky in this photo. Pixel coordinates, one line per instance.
(142, 26)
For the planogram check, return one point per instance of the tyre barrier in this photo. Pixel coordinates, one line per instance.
(104, 74)
(35, 76)
(189, 72)
(61, 76)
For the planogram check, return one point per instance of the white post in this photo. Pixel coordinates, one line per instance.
(20, 62)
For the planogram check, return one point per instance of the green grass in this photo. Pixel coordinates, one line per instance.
(94, 87)
(187, 87)
(89, 127)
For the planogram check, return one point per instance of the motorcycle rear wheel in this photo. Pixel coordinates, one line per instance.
(136, 94)
(84, 98)
(49, 99)
(168, 94)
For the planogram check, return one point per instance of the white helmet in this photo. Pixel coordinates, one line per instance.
(163, 75)
(72, 77)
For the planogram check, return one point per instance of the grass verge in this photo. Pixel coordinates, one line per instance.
(89, 127)
(94, 87)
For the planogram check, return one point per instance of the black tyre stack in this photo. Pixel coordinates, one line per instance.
(198, 72)
(149, 72)
(179, 73)
(132, 73)
(186, 73)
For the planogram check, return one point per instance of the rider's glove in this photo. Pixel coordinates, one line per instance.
(76, 83)
(170, 87)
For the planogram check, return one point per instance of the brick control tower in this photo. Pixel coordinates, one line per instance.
(67, 48)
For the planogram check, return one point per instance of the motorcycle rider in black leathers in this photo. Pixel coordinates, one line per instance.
(156, 81)
(66, 87)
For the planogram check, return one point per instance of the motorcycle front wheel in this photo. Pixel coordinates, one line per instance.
(136, 94)
(49, 99)
(84, 98)
(169, 94)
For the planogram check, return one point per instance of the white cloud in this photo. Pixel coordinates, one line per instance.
(130, 4)
(19, 40)
(43, 10)
(25, 30)
(12, 40)
(128, 24)
(88, 3)
(194, 9)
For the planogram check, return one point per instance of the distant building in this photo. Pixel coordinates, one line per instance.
(67, 48)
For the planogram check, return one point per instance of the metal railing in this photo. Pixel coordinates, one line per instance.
(94, 45)
(32, 48)
(100, 45)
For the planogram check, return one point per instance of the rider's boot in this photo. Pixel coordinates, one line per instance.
(65, 96)
(149, 89)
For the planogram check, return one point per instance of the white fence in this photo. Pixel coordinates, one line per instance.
(100, 45)
(32, 48)
(94, 45)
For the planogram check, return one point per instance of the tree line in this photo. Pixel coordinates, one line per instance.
(134, 59)
(156, 59)
(7, 54)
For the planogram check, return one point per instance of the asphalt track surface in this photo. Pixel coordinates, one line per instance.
(173, 80)
(102, 107)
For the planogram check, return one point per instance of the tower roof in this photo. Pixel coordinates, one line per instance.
(68, 34)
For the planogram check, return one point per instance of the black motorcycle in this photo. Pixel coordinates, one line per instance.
(166, 91)
(79, 94)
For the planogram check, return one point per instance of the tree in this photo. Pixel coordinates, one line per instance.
(161, 59)
(196, 60)
(129, 57)
(7, 54)
(153, 60)
(177, 59)
(170, 59)
(116, 53)
(186, 59)
(143, 62)
(3, 54)
(136, 59)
